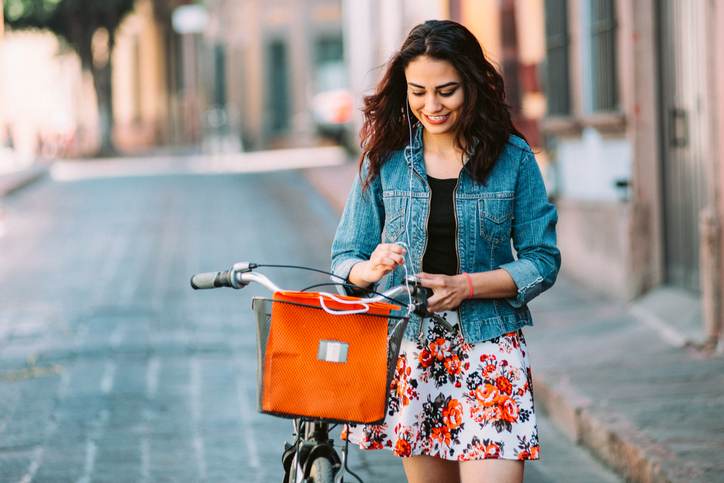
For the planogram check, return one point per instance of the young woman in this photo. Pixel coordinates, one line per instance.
(446, 182)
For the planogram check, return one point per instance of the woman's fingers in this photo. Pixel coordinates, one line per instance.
(432, 302)
(395, 248)
(445, 294)
(431, 281)
(390, 262)
(439, 302)
(388, 254)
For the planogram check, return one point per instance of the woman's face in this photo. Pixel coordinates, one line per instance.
(435, 93)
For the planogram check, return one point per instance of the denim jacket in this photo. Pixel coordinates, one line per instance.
(512, 204)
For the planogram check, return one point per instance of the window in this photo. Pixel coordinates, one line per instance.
(557, 86)
(330, 69)
(603, 58)
(329, 49)
(219, 93)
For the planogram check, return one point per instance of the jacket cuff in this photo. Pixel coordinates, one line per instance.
(341, 271)
(527, 278)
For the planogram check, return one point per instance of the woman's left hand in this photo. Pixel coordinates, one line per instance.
(448, 291)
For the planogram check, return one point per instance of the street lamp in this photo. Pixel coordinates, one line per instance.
(187, 21)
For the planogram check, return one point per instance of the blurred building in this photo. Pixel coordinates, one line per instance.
(141, 83)
(266, 61)
(373, 31)
(512, 36)
(623, 103)
(49, 103)
(635, 111)
(44, 106)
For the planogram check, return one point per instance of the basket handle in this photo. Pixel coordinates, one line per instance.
(365, 307)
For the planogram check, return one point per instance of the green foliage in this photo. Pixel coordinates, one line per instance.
(73, 20)
(29, 12)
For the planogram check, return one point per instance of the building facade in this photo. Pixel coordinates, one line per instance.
(623, 103)
(634, 114)
(141, 87)
(38, 76)
(266, 60)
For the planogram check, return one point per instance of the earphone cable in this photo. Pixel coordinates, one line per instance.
(408, 158)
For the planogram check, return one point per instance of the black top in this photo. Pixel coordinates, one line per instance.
(440, 255)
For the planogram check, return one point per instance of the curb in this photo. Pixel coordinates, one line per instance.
(610, 438)
(13, 182)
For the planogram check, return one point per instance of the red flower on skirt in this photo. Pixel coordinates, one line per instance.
(504, 385)
(452, 415)
(402, 448)
(509, 409)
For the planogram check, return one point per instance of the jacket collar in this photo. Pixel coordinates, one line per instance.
(414, 151)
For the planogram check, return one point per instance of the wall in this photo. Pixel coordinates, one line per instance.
(717, 19)
(139, 88)
(45, 97)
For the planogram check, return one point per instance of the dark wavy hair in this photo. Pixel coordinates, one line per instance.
(485, 121)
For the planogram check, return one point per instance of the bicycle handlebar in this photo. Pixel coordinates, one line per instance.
(206, 280)
(240, 275)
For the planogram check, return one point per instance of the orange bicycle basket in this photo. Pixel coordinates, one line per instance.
(324, 365)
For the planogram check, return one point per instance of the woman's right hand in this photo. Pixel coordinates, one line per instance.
(384, 259)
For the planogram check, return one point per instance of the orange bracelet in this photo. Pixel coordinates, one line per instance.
(469, 279)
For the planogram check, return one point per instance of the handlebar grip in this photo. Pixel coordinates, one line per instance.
(208, 280)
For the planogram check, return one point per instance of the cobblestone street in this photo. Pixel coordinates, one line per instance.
(113, 369)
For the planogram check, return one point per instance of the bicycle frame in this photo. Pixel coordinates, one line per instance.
(312, 441)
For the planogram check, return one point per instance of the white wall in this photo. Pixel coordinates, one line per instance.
(43, 90)
(589, 166)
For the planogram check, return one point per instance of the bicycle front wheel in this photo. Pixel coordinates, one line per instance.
(322, 471)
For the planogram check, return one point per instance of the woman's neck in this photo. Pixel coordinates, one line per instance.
(441, 146)
(443, 159)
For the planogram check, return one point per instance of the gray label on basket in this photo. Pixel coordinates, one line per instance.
(332, 351)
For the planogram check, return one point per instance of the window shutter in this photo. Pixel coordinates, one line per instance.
(557, 86)
(603, 55)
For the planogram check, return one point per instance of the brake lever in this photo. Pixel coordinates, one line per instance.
(422, 293)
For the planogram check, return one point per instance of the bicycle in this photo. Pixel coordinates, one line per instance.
(311, 457)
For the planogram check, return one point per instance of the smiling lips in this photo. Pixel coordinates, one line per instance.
(437, 119)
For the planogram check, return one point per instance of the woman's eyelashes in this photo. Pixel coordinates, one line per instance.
(442, 93)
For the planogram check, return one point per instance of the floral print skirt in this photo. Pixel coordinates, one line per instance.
(457, 401)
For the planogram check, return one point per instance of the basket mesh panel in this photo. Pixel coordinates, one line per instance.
(296, 382)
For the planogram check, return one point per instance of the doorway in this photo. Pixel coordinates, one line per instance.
(684, 135)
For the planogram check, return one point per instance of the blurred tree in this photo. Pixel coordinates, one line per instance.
(89, 27)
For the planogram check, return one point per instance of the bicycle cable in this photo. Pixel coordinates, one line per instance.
(326, 284)
(346, 282)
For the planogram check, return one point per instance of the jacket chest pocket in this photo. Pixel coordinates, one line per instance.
(496, 215)
(395, 211)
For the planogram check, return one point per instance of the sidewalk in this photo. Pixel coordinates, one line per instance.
(15, 180)
(651, 411)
